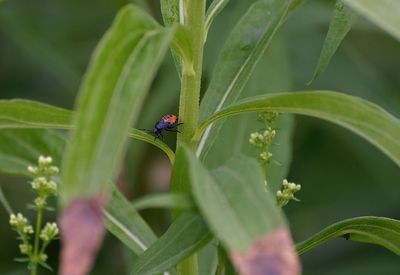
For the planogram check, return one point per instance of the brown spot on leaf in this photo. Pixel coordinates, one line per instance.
(272, 254)
(82, 232)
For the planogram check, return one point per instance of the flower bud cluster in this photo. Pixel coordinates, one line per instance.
(44, 167)
(287, 193)
(42, 182)
(21, 224)
(44, 185)
(263, 141)
(49, 232)
(268, 117)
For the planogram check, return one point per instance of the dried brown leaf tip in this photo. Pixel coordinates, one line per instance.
(272, 254)
(82, 232)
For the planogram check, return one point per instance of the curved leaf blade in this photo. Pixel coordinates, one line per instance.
(185, 236)
(360, 116)
(172, 13)
(167, 200)
(123, 221)
(374, 230)
(384, 13)
(243, 215)
(121, 71)
(20, 113)
(26, 114)
(341, 23)
(212, 12)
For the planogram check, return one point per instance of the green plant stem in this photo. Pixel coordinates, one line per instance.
(194, 16)
(35, 256)
(191, 81)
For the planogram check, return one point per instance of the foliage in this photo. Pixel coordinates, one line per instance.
(217, 201)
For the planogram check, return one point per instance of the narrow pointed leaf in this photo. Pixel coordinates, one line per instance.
(185, 236)
(244, 47)
(123, 221)
(212, 12)
(19, 113)
(167, 200)
(360, 116)
(384, 13)
(341, 23)
(172, 14)
(243, 215)
(170, 11)
(375, 230)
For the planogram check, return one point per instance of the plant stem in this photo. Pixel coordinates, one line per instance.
(193, 18)
(35, 257)
(194, 14)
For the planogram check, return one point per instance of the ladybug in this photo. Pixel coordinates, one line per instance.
(167, 123)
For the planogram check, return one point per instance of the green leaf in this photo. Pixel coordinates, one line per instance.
(212, 12)
(234, 201)
(374, 230)
(384, 13)
(121, 71)
(140, 135)
(123, 221)
(244, 47)
(341, 23)
(167, 200)
(172, 14)
(182, 46)
(243, 215)
(19, 113)
(185, 236)
(360, 116)
(20, 148)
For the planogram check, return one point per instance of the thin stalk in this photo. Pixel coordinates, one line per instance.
(35, 256)
(192, 14)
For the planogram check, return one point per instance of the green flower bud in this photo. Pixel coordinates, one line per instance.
(287, 193)
(25, 248)
(18, 221)
(44, 161)
(53, 170)
(43, 257)
(27, 229)
(49, 232)
(33, 170)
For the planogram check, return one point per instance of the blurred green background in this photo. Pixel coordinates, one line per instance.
(45, 47)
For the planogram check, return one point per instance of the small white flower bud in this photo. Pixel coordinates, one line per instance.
(45, 161)
(33, 169)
